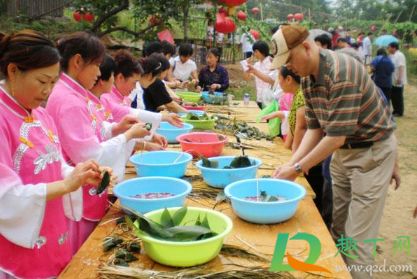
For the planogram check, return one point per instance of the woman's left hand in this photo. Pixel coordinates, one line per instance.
(215, 86)
(173, 119)
(162, 141)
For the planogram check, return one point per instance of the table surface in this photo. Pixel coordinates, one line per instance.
(256, 238)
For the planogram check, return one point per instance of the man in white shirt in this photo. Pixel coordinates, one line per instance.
(367, 48)
(246, 40)
(399, 78)
(184, 67)
(261, 52)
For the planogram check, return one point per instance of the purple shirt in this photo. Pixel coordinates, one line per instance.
(218, 76)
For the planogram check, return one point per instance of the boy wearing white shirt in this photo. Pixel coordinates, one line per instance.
(184, 67)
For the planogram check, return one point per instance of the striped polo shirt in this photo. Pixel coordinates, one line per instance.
(344, 101)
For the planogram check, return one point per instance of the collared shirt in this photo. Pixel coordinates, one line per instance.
(218, 76)
(265, 67)
(398, 59)
(344, 101)
(367, 45)
(182, 71)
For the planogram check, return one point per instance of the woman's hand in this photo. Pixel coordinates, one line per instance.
(83, 174)
(138, 130)
(215, 86)
(125, 124)
(173, 119)
(150, 146)
(162, 141)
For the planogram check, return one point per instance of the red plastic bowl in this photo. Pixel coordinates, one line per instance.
(201, 143)
(195, 108)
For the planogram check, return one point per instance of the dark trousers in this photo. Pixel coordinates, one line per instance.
(316, 181)
(387, 93)
(327, 206)
(397, 99)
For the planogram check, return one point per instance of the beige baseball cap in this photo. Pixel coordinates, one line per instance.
(285, 39)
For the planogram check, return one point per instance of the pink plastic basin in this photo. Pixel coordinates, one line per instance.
(195, 108)
(201, 143)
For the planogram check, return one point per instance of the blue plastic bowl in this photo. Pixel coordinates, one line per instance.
(265, 212)
(216, 98)
(161, 163)
(142, 185)
(220, 178)
(172, 132)
(197, 112)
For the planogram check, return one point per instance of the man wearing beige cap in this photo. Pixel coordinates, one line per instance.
(346, 116)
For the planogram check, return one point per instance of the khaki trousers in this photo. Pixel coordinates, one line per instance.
(361, 178)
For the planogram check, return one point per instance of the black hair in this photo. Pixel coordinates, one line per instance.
(152, 65)
(381, 51)
(107, 68)
(324, 40)
(394, 45)
(354, 45)
(27, 49)
(126, 64)
(370, 33)
(274, 29)
(164, 62)
(85, 44)
(168, 48)
(215, 52)
(341, 40)
(185, 50)
(285, 72)
(262, 47)
(152, 47)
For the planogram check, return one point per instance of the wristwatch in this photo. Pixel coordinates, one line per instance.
(297, 168)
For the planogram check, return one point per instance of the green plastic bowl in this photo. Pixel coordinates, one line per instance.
(201, 124)
(189, 96)
(188, 253)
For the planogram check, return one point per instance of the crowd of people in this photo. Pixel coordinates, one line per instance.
(72, 111)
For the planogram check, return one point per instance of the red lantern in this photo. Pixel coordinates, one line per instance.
(255, 34)
(298, 16)
(77, 16)
(241, 15)
(255, 11)
(88, 17)
(224, 24)
(373, 27)
(224, 11)
(233, 3)
(290, 17)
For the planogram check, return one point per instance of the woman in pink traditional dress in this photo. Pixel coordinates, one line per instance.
(37, 188)
(83, 133)
(124, 71)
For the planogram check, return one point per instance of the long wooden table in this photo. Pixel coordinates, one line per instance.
(258, 238)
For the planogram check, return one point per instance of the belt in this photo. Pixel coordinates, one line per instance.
(364, 144)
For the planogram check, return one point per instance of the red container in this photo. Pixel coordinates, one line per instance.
(195, 108)
(201, 143)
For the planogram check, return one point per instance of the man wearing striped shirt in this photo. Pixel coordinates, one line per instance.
(346, 116)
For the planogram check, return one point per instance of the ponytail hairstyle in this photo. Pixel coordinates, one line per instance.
(154, 64)
(85, 44)
(285, 72)
(27, 49)
(126, 64)
(216, 53)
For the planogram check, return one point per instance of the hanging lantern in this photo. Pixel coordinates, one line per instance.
(290, 17)
(241, 15)
(234, 3)
(298, 16)
(255, 10)
(224, 24)
(255, 34)
(88, 17)
(77, 16)
(224, 10)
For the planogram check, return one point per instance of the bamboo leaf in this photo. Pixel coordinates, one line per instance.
(150, 227)
(205, 223)
(189, 233)
(166, 219)
(126, 256)
(198, 221)
(179, 215)
(240, 162)
(104, 183)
